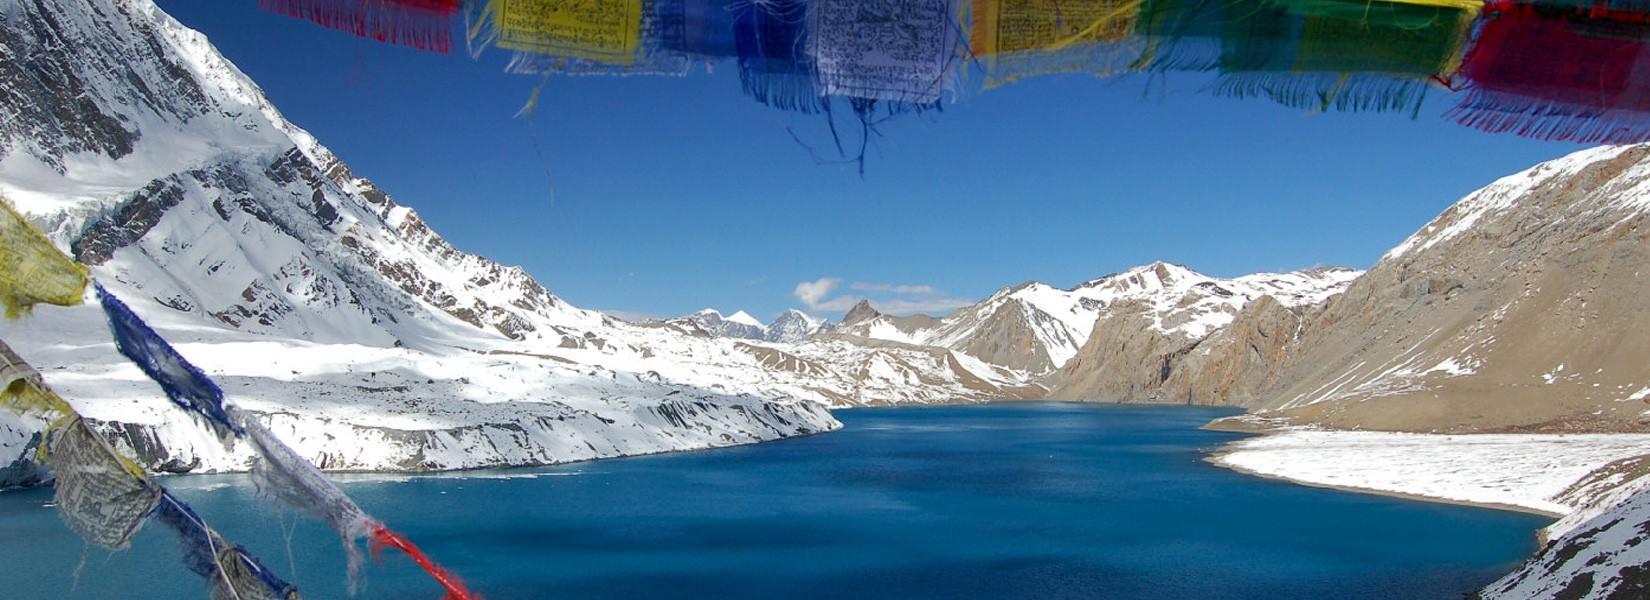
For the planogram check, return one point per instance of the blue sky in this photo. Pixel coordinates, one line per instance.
(661, 196)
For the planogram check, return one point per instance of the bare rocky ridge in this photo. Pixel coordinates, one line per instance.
(1525, 307)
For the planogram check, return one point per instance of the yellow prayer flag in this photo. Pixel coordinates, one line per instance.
(24, 397)
(1471, 5)
(605, 31)
(1020, 25)
(1026, 38)
(32, 270)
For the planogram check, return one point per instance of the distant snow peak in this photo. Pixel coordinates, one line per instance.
(744, 318)
(742, 326)
(1147, 278)
(1035, 329)
(790, 327)
(793, 326)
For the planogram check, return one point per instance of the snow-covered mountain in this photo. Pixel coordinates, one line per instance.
(336, 314)
(739, 325)
(1036, 330)
(793, 326)
(321, 305)
(790, 327)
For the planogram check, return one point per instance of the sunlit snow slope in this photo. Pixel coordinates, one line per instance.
(338, 316)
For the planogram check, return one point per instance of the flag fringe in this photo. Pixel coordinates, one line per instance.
(1536, 118)
(1342, 92)
(797, 92)
(421, 24)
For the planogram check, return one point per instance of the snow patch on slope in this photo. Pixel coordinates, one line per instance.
(1500, 196)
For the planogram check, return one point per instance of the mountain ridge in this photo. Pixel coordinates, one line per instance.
(1521, 308)
(1037, 329)
(790, 326)
(248, 244)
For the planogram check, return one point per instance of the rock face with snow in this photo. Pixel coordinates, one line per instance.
(337, 316)
(1525, 307)
(1172, 335)
(794, 326)
(740, 325)
(1597, 552)
(790, 327)
(1136, 336)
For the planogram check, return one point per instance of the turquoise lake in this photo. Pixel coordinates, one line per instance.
(1041, 500)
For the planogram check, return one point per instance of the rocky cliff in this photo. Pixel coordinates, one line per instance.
(1525, 307)
(1171, 335)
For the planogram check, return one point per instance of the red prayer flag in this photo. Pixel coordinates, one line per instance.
(422, 24)
(382, 537)
(1559, 74)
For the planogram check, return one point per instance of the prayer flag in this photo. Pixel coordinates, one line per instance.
(1015, 39)
(105, 498)
(774, 66)
(886, 50)
(32, 270)
(233, 572)
(652, 56)
(185, 384)
(605, 31)
(100, 494)
(1559, 74)
(1350, 54)
(422, 24)
(1186, 35)
(1001, 26)
(22, 392)
(700, 28)
(278, 471)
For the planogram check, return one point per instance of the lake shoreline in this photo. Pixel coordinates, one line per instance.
(1528, 473)
(1218, 458)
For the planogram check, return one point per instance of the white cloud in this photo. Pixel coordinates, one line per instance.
(903, 290)
(812, 293)
(896, 299)
(932, 306)
(837, 304)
